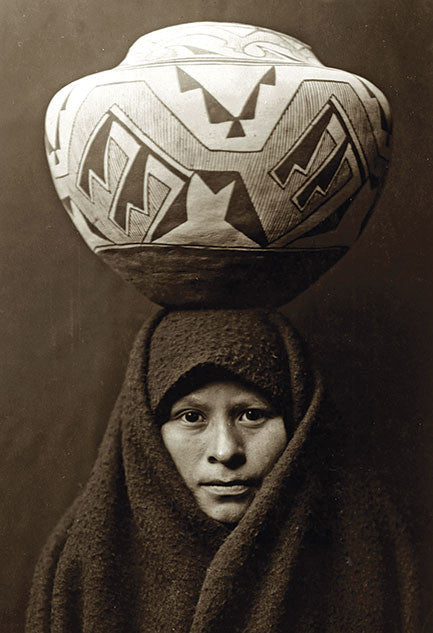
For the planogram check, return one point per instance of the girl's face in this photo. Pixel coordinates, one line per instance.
(224, 438)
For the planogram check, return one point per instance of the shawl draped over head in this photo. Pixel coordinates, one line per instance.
(320, 549)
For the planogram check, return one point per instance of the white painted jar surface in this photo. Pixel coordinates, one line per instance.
(219, 164)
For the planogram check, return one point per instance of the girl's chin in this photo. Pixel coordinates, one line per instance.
(226, 509)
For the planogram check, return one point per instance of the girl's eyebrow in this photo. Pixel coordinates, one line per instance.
(251, 403)
(243, 403)
(188, 401)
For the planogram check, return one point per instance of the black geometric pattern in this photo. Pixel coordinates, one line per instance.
(174, 217)
(132, 192)
(241, 213)
(129, 194)
(299, 157)
(216, 112)
(325, 153)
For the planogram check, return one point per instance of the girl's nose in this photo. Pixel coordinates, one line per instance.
(225, 445)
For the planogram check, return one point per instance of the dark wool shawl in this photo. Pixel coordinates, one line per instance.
(320, 549)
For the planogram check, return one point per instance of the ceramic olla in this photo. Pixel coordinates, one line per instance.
(219, 164)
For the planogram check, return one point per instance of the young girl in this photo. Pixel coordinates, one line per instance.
(221, 500)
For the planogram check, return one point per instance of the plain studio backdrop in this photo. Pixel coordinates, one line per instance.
(68, 322)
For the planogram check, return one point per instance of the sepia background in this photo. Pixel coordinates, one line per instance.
(67, 322)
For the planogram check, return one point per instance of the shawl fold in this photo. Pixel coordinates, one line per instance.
(320, 549)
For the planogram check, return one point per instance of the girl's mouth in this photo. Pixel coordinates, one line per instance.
(233, 487)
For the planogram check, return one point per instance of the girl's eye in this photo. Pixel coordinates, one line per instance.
(254, 415)
(191, 417)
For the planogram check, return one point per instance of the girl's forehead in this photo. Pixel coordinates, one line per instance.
(232, 391)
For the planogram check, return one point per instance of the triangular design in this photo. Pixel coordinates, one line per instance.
(241, 213)
(249, 109)
(269, 78)
(157, 192)
(236, 130)
(186, 82)
(175, 216)
(201, 51)
(208, 100)
(217, 180)
(216, 112)
(95, 157)
(137, 223)
(132, 192)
